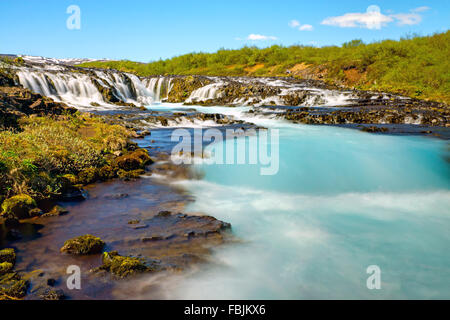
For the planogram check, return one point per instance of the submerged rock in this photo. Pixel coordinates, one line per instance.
(12, 286)
(56, 211)
(52, 294)
(83, 245)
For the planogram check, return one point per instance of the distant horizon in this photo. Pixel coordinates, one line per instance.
(146, 31)
(243, 46)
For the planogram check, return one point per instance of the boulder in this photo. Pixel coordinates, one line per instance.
(133, 160)
(19, 206)
(83, 245)
(121, 266)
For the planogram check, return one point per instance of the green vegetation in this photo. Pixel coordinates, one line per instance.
(83, 245)
(121, 266)
(46, 155)
(414, 66)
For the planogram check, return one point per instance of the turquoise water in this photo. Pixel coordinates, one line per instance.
(341, 201)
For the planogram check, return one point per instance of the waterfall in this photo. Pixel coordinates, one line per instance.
(210, 91)
(82, 89)
(73, 88)
(159, 87)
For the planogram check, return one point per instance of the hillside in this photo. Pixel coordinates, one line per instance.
(416, 66)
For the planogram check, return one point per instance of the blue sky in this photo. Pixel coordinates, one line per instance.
(149, 30)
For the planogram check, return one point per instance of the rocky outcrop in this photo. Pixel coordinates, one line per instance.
(16, 102)
(182, 87)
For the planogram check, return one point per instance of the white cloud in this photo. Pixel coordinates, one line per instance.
(407, 18)
(306, 27)
(260, 37)
(302, 27)
(294, 24)
(374, 19)
(421, 9)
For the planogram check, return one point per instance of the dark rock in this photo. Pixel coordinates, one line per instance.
(56, 211)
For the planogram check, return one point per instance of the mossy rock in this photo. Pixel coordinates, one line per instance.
(121, 266)
(19, 205)
(107, 173)
(12, 285)
(83, 245)
(130, 175)
(6, 267)
(133, 160)
(87, 176)
(69, 179)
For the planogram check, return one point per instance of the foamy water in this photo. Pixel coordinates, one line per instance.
(342, 200)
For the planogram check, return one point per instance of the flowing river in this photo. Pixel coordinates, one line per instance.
(342, 200)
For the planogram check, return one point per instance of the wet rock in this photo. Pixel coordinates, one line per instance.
(36, 212)
(56, 211)
(152, 238)
(130, 175)
(163, 214)
(69, 190)
(12, 286)
(51, 282)
(19, 206)
(11, 220)
(83, 245)
(134, 160)
(5, 267)
(121, 266)
(134, 221)
(374, 129)
(13, 234)
(52, 294)
(139, 226)
(116, 196)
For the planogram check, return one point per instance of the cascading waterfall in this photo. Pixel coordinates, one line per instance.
(80, 90)
(210, 91)
(158, 87)
(76, 89)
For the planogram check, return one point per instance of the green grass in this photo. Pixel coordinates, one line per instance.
(33, 159)
(413, 66)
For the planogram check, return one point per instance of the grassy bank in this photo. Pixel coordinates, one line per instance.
(417, 67)
(36, 159)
